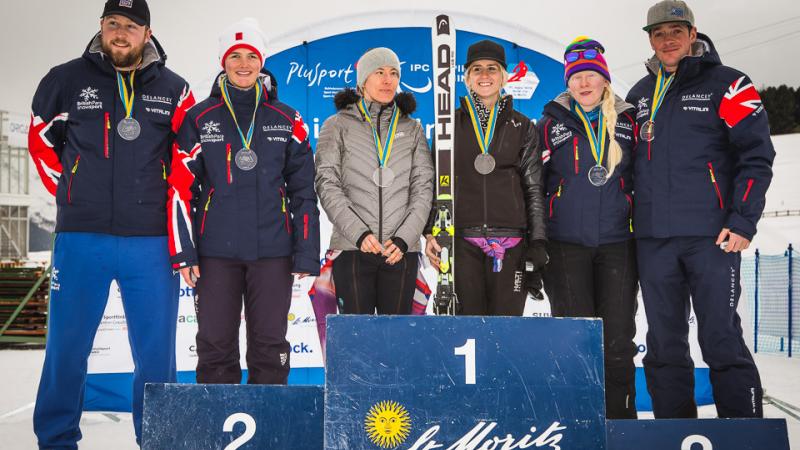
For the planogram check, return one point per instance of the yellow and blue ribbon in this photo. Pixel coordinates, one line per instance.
(124, 95)
(597, 140)
(384, 151)
(246, 140)
(484, 137)
(662, 85)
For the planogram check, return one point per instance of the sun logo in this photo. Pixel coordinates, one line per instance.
(387, 424)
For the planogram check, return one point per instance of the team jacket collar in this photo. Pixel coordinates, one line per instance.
(508, 107)
(266, 78)
(153, 58)
(560, 109)
(346, 99)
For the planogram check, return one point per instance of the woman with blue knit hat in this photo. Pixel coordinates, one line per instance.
(375, 182)
(498, 195)
(243, 218)
(587, 134)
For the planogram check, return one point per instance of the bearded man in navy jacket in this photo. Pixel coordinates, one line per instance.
(101, 133)
(703, 163)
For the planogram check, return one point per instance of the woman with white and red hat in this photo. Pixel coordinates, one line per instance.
(242, 213)
(587, 134)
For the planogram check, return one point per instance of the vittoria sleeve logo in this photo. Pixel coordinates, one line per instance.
(387, 424)
(741, 100)
(300, 130)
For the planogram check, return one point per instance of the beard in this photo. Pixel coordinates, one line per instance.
(121, 58)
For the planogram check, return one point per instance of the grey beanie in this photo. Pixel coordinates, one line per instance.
(374, 59)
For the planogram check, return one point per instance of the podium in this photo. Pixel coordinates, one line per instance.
(433, 382)
(419, 381)
(230, 417)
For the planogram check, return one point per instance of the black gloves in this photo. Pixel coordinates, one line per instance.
(536, 254)
(533, 284)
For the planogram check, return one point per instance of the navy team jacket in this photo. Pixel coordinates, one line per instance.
(710, 163)
(577, 211)
(216, 209)
(103, 183)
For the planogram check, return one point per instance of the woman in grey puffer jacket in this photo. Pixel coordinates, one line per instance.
(375, 182)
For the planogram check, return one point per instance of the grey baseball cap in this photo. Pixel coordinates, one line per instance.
(669, 11)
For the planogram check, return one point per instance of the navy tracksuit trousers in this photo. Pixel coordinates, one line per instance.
(84, 264)
(670, 271)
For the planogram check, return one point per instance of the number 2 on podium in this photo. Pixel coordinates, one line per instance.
(468, 352)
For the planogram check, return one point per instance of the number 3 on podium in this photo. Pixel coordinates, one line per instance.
(468, 352)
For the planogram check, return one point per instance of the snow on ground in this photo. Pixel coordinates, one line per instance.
(20, 370)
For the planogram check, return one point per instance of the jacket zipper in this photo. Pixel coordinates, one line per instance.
(492, 146)
(72, 177)
(205, 211)
(106, 127)
(716, 186)
(380, 189)
(284, 211)
(630, 203)
(575, 153)
(163, 170)
(750, 182)
(305, 226)
(557, 194)
(228, 161)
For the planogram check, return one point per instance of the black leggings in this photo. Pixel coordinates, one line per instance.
(600, 282)
(484, 292)
(365, 283)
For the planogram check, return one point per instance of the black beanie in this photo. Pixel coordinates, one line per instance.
(486, 49)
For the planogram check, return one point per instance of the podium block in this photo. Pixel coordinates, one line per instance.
(425, 382)
(698, 434)
(229, 417)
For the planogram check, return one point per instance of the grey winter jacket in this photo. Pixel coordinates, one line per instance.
(346, 159)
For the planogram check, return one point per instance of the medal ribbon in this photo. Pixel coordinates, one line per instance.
(383, 151)
(484, 138)
(596, 140)
(127, 100)
(660, 91)
(223, 86)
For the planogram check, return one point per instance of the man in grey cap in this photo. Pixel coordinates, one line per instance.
(703, 166)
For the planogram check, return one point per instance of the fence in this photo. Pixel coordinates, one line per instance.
(771, 283)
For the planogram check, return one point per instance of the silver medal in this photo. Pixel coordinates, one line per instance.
(598, 175)
(484, 163)
(129, 129)
(246, 159)
(648, 131)
(383, 177)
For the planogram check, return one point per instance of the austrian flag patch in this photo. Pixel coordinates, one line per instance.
(740, 101)
(300, 130)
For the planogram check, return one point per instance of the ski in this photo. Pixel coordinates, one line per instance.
(443, 40)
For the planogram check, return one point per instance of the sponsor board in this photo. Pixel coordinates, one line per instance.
(111, 351)
(309, 75)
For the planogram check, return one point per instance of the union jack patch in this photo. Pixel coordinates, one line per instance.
(741, 99)
(300, 130)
